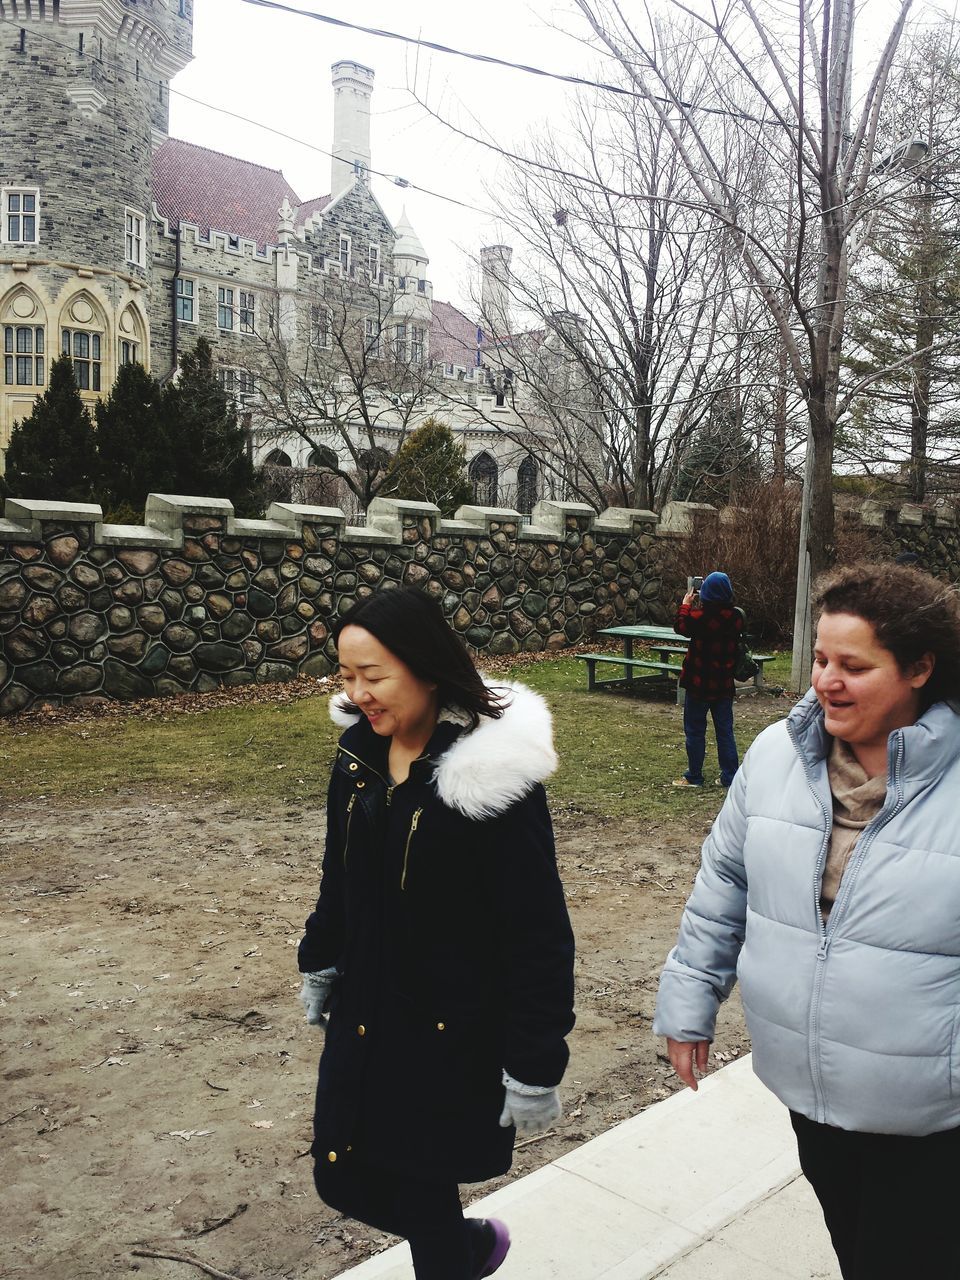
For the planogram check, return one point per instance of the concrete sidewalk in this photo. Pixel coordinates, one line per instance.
(704, 1184)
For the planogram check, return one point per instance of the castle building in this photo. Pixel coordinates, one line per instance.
(119, 243)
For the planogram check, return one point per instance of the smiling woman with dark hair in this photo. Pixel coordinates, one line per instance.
(830, 886)
(440, 946)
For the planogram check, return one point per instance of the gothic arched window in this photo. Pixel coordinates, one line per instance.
(484, 476)
(527, 476)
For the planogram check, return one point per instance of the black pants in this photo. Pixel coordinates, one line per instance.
(443, 1243)
(890, 1202)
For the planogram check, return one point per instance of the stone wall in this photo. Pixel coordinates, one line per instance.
(932, 533)
(196, 598)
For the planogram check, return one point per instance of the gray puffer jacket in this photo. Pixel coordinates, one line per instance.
(855, 1023)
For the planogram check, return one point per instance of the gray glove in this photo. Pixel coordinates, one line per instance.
(315, 993)
(530, 1107)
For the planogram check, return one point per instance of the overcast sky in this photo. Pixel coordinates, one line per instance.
(275, 69)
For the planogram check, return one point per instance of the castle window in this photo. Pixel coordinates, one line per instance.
(345, 250)
(372, 337)
(400, 341)
(186, 300)
(320, 325)
(527, 485)
(83, 348)
(23, 356)
(484, 475)
(248, 312)
(129, 351)
(225, 311)
(417, 341)
(239, 384)
(20, 215)
(373, 262)
(133, 241)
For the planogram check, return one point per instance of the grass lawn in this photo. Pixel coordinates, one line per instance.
(618, 754)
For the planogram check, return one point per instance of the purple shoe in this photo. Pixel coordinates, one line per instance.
(499, 1249)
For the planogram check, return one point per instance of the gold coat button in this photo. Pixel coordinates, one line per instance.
(441, 1026)
(361, 1030)
(360, 784)
(332, 1157)
(353, 767)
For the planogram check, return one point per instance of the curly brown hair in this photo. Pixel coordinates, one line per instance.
(911, 612)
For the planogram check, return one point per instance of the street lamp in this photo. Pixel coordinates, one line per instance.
(903, 155)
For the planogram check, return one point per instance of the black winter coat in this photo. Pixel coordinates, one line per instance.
(441, 907)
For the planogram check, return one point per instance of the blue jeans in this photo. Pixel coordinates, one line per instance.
(695, 733)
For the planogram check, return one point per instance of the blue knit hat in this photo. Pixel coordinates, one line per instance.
(716, 586)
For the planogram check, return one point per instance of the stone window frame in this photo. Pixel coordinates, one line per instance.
(321, 326)
(21, 358)
(9, 193)
(134, 237)
(85, 355)
(418, 343)
(345, 255)
(193, 298)
(246, 312)
(128, 352)
(225, 308)
(373, 262)
(372, 335)
(239, 384)
(400, 342)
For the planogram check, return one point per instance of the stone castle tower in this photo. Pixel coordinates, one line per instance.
(86, 98)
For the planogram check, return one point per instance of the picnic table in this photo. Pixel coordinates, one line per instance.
(664, 641)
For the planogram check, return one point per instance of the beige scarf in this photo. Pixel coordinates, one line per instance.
(856, 800)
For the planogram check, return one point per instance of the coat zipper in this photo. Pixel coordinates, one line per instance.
(350, 803)
(812, 1052)
(406, 852)
(828, 929)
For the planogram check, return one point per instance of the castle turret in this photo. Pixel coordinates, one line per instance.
(495, 297)
(90, 84)
(352, 90)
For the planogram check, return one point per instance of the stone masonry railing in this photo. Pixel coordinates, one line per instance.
(197, 598)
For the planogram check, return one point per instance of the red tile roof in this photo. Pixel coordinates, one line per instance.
(310, 207)
(222, 193)
(453, 337)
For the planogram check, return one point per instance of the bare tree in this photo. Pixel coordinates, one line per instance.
(794, 112)
(345, 379)
(906, 299)
(623, 285)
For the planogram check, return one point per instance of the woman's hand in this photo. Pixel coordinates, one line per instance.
(688, 598)
(688, 1059)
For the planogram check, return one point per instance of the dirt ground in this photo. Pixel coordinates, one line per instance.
(157, 1072)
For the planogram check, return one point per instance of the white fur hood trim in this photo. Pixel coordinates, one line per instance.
(491, 767)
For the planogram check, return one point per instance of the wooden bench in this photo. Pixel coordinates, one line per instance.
(629, 664)
(650, 664)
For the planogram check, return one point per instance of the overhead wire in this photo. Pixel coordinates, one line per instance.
(491, 60)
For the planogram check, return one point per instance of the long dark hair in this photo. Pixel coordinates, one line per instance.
(411, 625)
(911, 612)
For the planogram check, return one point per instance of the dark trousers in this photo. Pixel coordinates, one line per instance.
(428, 1215)
(695, 733)
(890, 1202)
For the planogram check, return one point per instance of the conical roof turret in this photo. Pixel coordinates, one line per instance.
(408, 243)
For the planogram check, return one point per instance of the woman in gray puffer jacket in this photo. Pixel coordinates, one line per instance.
(830, 886)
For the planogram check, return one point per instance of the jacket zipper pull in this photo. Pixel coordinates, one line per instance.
(822, 950)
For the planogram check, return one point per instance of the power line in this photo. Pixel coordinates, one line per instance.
(491, 60)
(396, 179)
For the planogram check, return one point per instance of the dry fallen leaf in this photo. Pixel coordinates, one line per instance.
(263, 1124)
(187, 1134)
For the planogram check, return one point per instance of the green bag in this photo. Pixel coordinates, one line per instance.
(744, 667)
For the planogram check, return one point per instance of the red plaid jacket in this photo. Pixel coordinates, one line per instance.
(713, 629)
